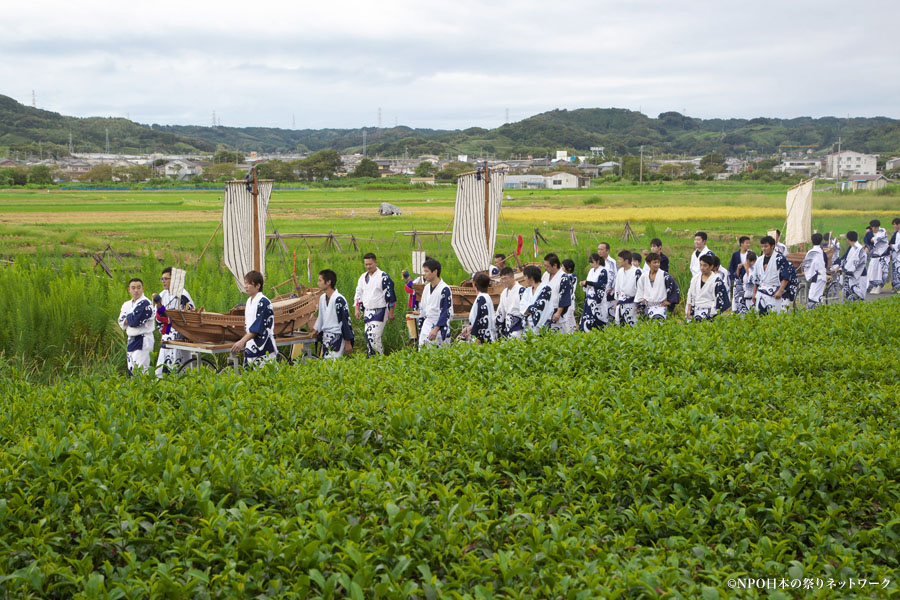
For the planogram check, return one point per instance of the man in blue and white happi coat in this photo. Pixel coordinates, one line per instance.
(815, 271)
(771, 277)
(333, 320)
(136, 320)
(170, 359)
(895, 255)
(656, 290)
(879, 248)
(510, 322)
(603, 249)
(553, 277)
(595, 312)
(374, 301)
(436, 307)
(853, 265)
(537, 301)
(481, 327)
(567, 287)
(258, 342)
(625, 290)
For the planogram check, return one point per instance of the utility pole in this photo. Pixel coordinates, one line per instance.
(107, 140)
(837, 160)
(642, 165)
(364, 143)
(70, 143)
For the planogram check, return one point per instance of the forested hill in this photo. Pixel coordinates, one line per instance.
(618, 130)
(25, 128)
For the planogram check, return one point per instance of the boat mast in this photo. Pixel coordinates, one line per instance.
(255, 192)
(487, 208)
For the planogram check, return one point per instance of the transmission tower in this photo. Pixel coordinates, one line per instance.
(379, 117)
(33, 99)
(70, 143)
(214, 119)
(507, 116)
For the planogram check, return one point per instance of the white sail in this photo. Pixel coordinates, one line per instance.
(798, 228)
(237, 228)
(473, 247)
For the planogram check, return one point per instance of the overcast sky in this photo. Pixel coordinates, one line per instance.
(450, 64)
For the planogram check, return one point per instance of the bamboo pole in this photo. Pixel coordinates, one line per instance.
(257, 264)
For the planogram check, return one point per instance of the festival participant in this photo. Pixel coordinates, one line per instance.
(779, 247)
(374, 300)
(258, 342)
(895, 255)
(499, 263)
(722, 273)
(510, 323)
(611, 270)
(771, 278)
(436, 307)
(879, 257)
(815, 271)
(481, 317)
(700, 249)
(595, 312)
(170, 359)
(636, 263)
(736, 272)
(656, 289)
(536, 303)
(626, 287)
(742, 302)
(553, 277)
(413, 303)
(333, 320)
(656, 248)
(136, 320)
(707, 295)
(567, 296)
(853, 264)
(739, 256)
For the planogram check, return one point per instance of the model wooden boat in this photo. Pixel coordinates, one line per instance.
(244, 234)
(291, 312)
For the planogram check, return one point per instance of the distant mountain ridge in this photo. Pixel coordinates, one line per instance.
(618, 130)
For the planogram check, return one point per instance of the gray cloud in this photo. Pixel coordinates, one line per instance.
(450, 66)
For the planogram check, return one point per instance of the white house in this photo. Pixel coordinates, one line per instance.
(182, 169)
(848, 162)
(562, 180)
(892, 164)
(803, 166)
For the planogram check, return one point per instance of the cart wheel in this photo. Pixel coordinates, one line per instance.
(833, 292)
(802, 296)
(284, 358)
(196, 364)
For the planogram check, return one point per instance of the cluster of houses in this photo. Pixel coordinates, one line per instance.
(852, 170)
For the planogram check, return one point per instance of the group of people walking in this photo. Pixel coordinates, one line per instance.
(634, 287)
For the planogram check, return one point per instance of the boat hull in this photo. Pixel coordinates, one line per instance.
(290, 313)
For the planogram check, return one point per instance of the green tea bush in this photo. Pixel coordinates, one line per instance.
(655, 462)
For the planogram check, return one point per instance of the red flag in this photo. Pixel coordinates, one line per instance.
(519, 246)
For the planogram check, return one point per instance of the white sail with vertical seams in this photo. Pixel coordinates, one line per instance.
(798, 225)
(472, 241)
(237, 227)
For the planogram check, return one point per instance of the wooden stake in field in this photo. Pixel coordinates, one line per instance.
(628, 233)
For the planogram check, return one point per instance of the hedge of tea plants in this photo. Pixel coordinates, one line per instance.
(655, 462)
